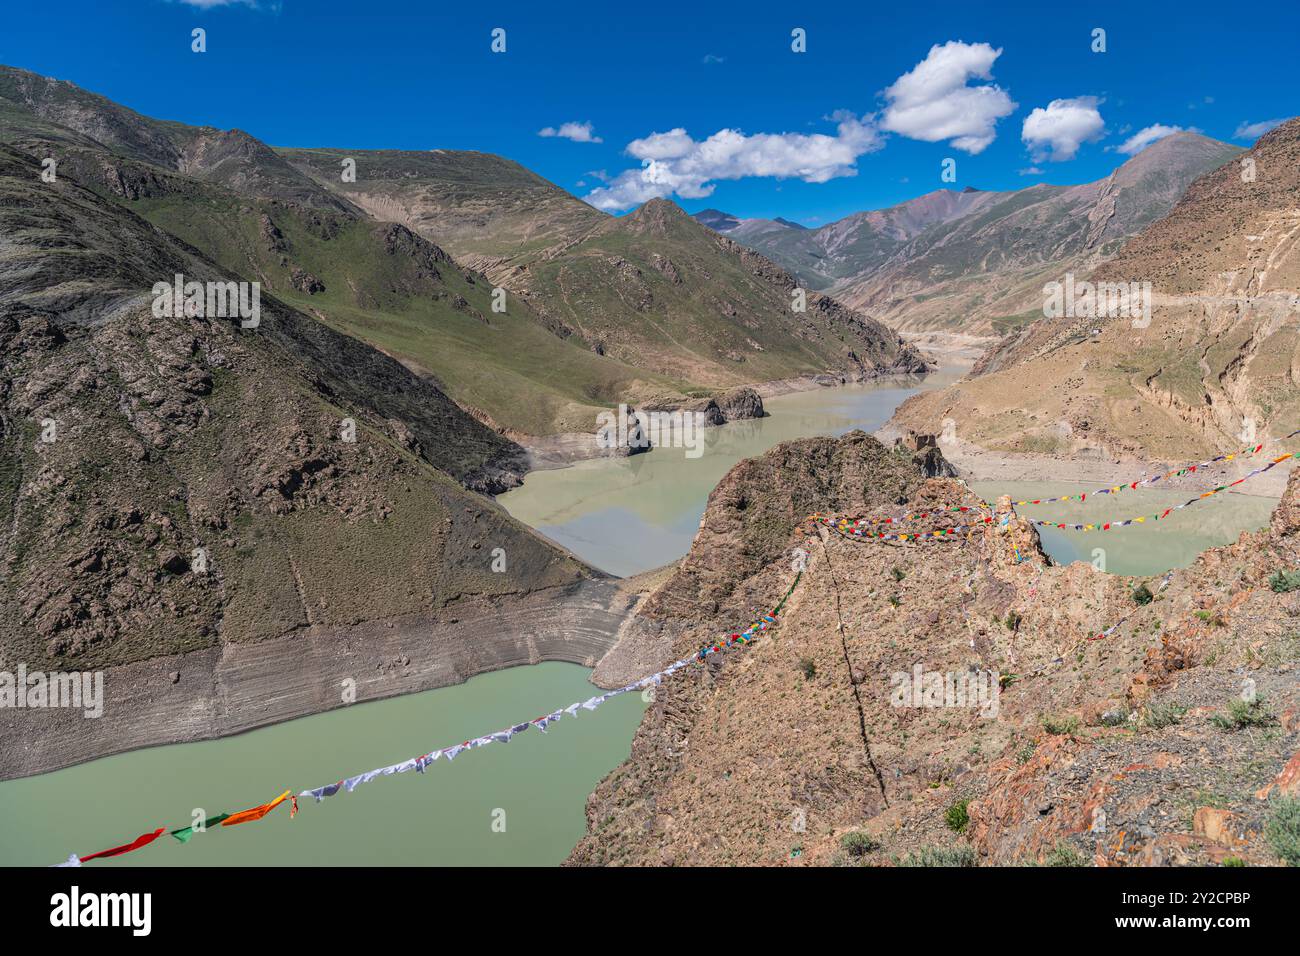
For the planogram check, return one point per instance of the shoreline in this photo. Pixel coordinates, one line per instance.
(976, 463)
(553, 452)
(235, 688)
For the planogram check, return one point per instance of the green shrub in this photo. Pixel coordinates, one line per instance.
(1283, 830)
(956, 816)
(1142, 594)
(1063, 854)
(1242, 714)
(807, 667)
(938, 856)
(858, 843)
(899, 574)
(1233, 861)
(1285, 581)
(1156, 716)
(1013, 620)
(1060, 726)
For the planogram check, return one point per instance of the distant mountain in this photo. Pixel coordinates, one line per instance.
(1218, 362)
(823, 257)
(654, 289)
(976, 261)
(717, 220)
(720, 221)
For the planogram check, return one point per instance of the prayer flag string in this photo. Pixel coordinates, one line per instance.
(421, 763)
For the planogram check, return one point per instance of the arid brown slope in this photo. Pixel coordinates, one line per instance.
(772, 753)
(1219, 361)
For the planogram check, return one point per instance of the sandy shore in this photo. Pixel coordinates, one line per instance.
(974, 463)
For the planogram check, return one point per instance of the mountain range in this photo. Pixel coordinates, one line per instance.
(651, 308)
(973, 261)
(1219, 363)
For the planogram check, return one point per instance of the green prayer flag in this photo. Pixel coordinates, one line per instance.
(185, 833)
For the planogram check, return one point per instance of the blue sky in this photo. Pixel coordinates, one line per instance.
(383, 74)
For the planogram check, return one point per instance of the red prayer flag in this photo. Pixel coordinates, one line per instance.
(142, 840)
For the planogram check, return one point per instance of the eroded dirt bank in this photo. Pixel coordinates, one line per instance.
(236, 687)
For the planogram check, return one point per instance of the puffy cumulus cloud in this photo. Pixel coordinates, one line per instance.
(1145, 137)
(1056, 132)
(578, 132)
(933, 101)
(674, 162)
(673, 144)
(1256, 130)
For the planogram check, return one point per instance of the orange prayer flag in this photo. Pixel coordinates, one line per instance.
(256, 813)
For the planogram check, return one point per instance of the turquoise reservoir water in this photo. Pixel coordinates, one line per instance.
(533, 789)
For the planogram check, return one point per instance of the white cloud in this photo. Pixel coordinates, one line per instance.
(673, 144)
(578, 132)
(674, 162)
(1145, 137)
(1256, 130)
(1056, 132)
(932, 101)
(712, 58)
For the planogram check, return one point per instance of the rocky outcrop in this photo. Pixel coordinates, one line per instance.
(1124, 749)
(740, 403)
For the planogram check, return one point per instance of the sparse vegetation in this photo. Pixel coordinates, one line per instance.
(1283, 830)
(1242, 714)
(1060, 726)
(1156, 715)
(938, 856)
(898, 573)
(1284, 582)
(807, 667)
(1063, 854)
(858, 843)
(956, 816)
